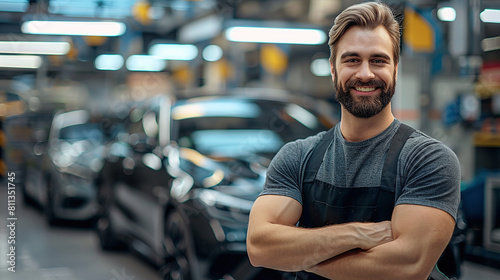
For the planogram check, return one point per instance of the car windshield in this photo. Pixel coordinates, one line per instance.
(238, 128)
(84, 131)
(78, 145)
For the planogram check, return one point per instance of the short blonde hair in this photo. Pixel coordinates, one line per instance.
(368, 15)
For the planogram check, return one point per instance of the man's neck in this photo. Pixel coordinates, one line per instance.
(356, 129)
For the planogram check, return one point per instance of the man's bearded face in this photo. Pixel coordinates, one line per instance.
(364, 106)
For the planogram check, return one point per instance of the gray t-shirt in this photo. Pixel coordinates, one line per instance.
(428, 172)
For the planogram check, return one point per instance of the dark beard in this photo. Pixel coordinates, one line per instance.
(367, 106)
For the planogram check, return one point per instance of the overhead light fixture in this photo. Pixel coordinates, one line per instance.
(20, 61)
(447, 14)
(74, 28)
(109, 62)
(201, 30)
(303, 36)
(145, 63)
(212, 53)
(28, 47)
(13, 6)
(490, 16)
(174, 51)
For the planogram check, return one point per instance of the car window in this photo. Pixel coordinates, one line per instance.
(229, 129)
(88, 131)
(236, 142)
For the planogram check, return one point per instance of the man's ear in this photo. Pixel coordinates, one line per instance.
(332, 71)
(396, 72)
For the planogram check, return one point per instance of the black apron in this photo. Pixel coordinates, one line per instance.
(326, 204)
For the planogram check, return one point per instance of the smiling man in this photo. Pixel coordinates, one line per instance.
(382, 199)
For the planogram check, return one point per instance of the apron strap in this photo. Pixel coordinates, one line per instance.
(316, 158)
(391, 160)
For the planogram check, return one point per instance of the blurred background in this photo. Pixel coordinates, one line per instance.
(116, 163)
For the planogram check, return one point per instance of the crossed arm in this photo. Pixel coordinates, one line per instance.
(405, 248)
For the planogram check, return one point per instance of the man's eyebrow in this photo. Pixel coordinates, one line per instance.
(381, 55)
(348, 54)
(375, 55)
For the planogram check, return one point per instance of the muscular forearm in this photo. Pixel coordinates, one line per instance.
(290, 248)
(393, 260)
(420, 235)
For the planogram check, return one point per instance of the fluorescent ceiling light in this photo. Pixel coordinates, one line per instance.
(109, 62)
(174, 51)
(20, 61)
(490, 16)
(72, 8)
(19, 7)
(200, 30)
(447, 14)
(147, 63)
(74, 28)
(27, 47)
(212, 53)
(491, 44)
(276, 35)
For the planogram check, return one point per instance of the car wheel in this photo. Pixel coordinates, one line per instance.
(27, 200)
(178, 248)
(108, 239)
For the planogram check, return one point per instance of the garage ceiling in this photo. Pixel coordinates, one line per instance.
(165, 17)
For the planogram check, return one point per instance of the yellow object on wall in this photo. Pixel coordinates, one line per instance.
(418, 33)
(273, 59)
(140, 11)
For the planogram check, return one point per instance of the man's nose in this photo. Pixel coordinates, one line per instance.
(365, 72)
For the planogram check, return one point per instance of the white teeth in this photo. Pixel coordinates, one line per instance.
(365, 89)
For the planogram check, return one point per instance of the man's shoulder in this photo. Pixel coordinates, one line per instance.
(303, 145)
(420, 144)
(419, 139)
(293, 154)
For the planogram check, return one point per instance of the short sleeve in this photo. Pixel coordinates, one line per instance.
(285, 171)
(431, 176)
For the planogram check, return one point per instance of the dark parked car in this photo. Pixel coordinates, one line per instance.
(178, 186)
(61, 171)
(34, 127)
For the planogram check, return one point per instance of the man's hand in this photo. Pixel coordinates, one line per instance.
(420, 235)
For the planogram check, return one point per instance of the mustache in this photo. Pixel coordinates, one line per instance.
(372, 83)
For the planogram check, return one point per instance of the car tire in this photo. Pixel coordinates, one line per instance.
(27, 200)
(179, 249)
